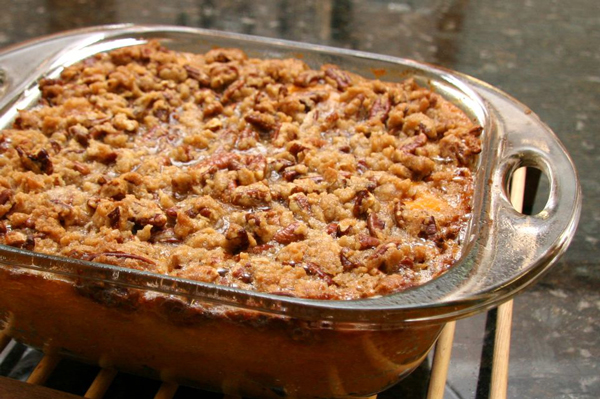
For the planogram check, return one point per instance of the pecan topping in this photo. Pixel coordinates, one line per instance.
(290, 174)
(347, 264)
(114, 217)
(314, 270)
(340, 78)
(301, 200)
(80, 134)
(260, 248)
(224, 160)
(296, 148)
(244, 274)
(367, 242)
(237, 239)
(172, 212)
(38, 163)
(81, 168)
(262, 121)
(375, 224)
(307, 78)
(5, 196)
(360, 207)
(157, 220)
(334, 230)
(197, 74)
(416, 141)
(380, 109)
(231, 90)
(288, 234)
(429, 229)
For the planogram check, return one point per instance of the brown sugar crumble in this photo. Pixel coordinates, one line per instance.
(259, 174)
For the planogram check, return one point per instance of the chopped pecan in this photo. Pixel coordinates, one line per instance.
(288, 234)
(290, 174)
(55, 146)
(114, 217)
(301, 200)
(93, 202)
(262, 121)
(244, 274)
(212, 108)
(260, 248)
(367, 242)
(172, 212)
(397, 214)
(308, 78)
(5, 196)
(314, 270)
(222, 75)
(334, 230)
(231, 90)
(374, 224)
(415, 142)
(237, 239)
(197, 74)
(380, 109)
(296, 148)
(205, 212)
(360, 208)
(81, 168)
(224, 55)
(157, 220)
(429, 229)
(339, 77)
(38, 163)
(361, 166)
(224, 160)
(254, 195)
(247, 139)
(347, 264)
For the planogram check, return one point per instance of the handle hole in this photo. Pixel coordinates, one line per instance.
(529, 190)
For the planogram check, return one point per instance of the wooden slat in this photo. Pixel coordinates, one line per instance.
(501, 359)
(500, 362)
(167, 390)
(10, 388)
(43, 370)
(441, 361)
(101, 383)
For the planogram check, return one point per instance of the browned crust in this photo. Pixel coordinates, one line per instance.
(258, 174)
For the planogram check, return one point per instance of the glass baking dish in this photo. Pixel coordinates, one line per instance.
(263, 345)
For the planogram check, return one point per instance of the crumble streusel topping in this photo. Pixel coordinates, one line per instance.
(260, 174)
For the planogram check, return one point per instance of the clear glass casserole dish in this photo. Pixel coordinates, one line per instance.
(263, 345)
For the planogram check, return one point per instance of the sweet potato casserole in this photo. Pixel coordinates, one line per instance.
(259, 174)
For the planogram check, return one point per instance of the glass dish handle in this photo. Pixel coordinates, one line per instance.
(525, 141)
